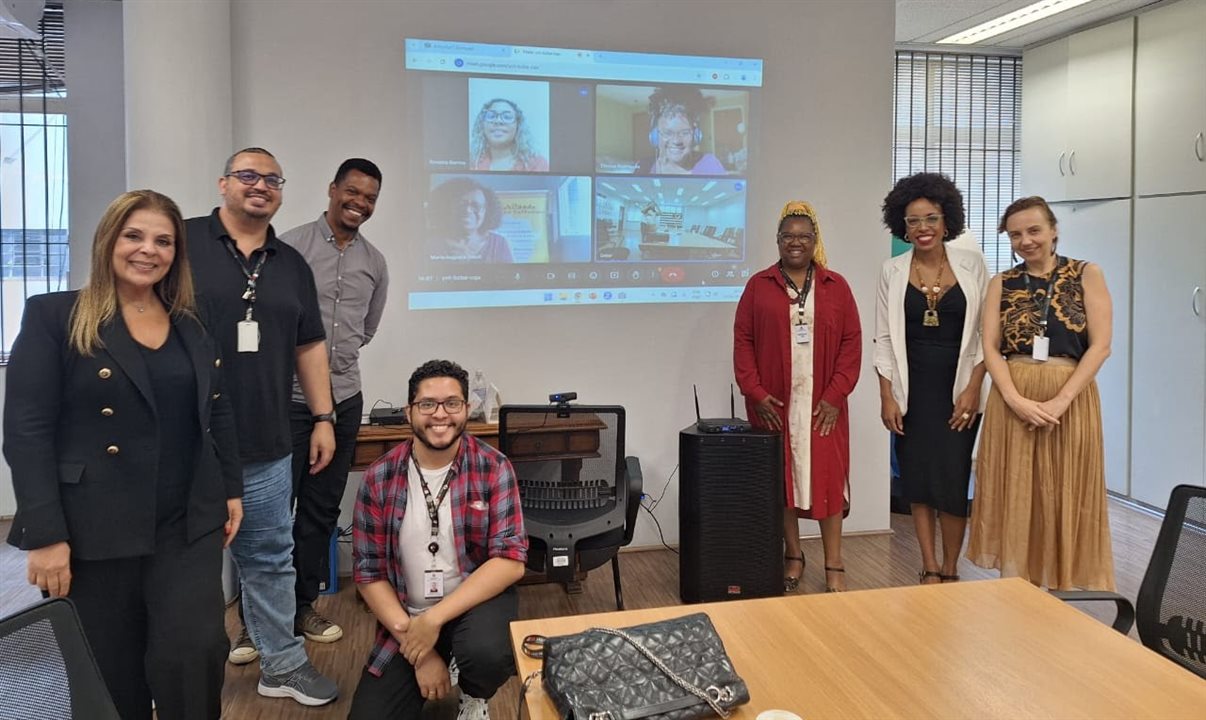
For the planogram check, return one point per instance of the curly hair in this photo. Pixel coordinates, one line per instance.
(479, 146)
(935, 187)
(438, 369)
(686, 101)
(444, 207)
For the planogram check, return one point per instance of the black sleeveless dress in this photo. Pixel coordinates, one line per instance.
(935, 461)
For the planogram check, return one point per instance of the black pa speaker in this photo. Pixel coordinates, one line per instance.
(730, 515)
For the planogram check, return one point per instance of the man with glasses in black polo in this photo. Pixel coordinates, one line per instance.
(258, 299)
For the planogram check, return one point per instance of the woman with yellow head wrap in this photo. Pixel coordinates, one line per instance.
(797, 351)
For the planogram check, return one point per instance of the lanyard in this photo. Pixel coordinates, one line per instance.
(1044, 308)
(252, 275)
(433, 507)
(801, 295)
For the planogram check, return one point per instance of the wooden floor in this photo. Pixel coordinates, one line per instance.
(650, 579)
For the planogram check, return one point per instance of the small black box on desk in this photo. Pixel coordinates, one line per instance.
(387, 416)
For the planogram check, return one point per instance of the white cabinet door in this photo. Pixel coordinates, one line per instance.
(1170, 100)
(1100, 232)
(1044, 117)
(1100, 85)
(1168, 419)
(1076, 115)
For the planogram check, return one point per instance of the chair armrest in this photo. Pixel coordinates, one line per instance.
(1126, 611)
(636, 484)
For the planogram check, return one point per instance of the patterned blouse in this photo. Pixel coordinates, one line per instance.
(1067, 326)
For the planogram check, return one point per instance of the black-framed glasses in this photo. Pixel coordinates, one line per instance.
(452, 406)
(789, 238)
(251, 177)
(929, 220)
(506, 116)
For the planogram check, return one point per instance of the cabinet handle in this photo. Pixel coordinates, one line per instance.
(1197, 147)
(1061, 163)
(1193, 301)
(1071, 160)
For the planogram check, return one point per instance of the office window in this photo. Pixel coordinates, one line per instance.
(961, 115)
(33, 170)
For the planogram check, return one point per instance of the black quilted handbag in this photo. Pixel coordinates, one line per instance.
(674, 669)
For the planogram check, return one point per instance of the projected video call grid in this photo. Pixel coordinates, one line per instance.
(551, 184)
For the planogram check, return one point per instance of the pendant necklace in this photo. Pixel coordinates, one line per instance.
(931, 292)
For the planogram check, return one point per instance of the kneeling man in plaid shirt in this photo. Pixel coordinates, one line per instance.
(439, 544)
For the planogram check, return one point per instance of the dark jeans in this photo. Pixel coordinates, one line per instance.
(479, 640)
(155, 624)
(318, 496)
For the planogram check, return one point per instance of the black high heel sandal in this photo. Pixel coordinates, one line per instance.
(921, 576)
(828, 587)
(791, 584)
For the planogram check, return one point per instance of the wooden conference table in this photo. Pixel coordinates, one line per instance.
(986, 649)
(373, 441)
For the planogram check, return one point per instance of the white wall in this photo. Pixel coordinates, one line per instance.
(319, 82)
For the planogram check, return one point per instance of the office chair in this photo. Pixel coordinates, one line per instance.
(1171, 607)
(580, 494)
(47, 670)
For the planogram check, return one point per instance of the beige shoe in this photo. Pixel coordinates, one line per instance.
(317, 628)
(243, 651)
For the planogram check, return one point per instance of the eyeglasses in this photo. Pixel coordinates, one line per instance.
(251, 177)
(928, 221)
(682, 136)
(506, 116)
(789, 238)
(452, 406)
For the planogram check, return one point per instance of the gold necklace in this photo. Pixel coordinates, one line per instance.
(932, 293)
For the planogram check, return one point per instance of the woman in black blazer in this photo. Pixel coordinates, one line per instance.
(125, 463)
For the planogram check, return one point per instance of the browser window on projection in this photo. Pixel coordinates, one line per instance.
(556, 176)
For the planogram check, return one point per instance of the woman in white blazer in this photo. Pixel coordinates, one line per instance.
(930, 361)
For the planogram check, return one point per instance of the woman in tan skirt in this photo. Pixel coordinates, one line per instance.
(1040, 502)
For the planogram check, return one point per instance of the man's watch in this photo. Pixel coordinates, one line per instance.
(325, 417)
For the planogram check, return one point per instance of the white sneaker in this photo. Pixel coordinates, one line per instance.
(471, 708)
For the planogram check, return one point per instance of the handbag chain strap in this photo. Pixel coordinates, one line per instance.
(712, 695)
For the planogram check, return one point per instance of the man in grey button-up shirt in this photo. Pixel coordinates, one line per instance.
(352, 279)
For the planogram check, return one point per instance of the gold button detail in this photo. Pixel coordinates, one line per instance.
(217, 395)
(217, 362)
(107, 412)
(105, 373)
(112, 449)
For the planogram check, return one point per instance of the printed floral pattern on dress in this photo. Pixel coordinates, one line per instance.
(1069, 301)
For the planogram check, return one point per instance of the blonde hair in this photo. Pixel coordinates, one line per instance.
(96, 304)
(800, 208)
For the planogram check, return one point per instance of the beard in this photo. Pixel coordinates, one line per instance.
(421, 436)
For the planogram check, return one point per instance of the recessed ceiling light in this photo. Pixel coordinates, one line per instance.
(1011, 21)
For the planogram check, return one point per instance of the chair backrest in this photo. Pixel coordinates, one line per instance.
(1171, 608)
(570, 465)
(47, 670)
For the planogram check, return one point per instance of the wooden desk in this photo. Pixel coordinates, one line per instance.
(987, 649)
(373, 441)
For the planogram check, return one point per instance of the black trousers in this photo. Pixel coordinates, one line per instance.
(318, 496)
(479, 640)
(156, 626)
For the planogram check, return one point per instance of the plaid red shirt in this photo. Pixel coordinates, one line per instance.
(486, 519)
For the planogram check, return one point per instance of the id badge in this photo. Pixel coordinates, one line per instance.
(803, 333)
(433, 584)
(1041, 348)
(249, 336)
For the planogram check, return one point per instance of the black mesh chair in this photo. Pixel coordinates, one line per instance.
(580, 494)
(1171, 607)
(47, 670)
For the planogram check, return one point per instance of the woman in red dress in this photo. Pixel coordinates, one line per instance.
(797, 351)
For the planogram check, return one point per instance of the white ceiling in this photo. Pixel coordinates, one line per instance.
(926, 21)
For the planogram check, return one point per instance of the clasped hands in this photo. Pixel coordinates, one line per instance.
(824, 417)
(1037, 414)
(416, 641)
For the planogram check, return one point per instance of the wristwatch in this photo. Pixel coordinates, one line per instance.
(325, 417)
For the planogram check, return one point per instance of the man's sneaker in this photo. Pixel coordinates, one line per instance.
(305, 685)
(472, 708)
(243, 651)
(316, 627)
